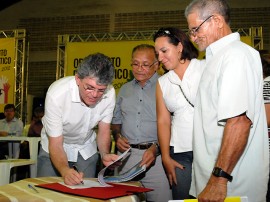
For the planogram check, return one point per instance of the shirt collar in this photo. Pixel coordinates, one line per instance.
(149, 82)
(220, 44)
(74, 90)
(173, 77)
(13, 120)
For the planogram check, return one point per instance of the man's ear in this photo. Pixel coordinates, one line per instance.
(219, 20)
(78, 80)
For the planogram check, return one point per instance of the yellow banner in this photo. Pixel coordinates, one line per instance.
(7, 76)
(118, 51)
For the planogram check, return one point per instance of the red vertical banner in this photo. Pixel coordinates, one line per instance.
(7, 71)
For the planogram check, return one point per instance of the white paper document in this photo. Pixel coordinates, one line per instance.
(87, 184)
(130, 174)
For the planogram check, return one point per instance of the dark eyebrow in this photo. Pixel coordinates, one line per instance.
(90, 86)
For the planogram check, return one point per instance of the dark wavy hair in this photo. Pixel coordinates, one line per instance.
(98, 66)
(175, 36)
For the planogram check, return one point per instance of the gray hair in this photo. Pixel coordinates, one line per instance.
(98, 66)
(205, 8)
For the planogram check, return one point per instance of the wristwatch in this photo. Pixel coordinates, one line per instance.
(218, 172)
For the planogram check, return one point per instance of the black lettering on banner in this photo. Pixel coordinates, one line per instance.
(5, 60)
(74, 71)
(121, 74)
(76, 62)
(6, 68)
(3, 52)
(116, 61)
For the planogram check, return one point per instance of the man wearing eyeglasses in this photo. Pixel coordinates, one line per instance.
(134, 123)
(230, 151)
(74, 106)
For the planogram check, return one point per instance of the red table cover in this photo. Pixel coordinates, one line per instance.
(104, 193)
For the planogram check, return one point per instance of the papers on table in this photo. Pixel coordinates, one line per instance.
(103, 180)
(87, 184)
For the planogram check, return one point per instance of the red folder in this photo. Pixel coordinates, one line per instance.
(117, 190)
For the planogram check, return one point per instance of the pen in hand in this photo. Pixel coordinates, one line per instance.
(76, 169)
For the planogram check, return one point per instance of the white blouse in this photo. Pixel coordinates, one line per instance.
(182, 120)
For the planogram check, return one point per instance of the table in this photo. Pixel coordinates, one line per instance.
(19, 192)
(33, 149)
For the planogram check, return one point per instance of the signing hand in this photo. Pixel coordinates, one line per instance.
(72, 177)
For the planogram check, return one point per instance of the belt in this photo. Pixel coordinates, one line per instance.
(142, 146)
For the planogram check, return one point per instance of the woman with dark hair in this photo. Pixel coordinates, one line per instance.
(175, 96)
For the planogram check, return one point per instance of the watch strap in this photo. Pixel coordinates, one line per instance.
(218, 172)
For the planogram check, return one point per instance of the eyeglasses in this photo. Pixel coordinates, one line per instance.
(91, 89)
(165, 32)
(144, 66)
(193, 31)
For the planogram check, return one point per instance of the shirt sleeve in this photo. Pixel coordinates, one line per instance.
(52, 119)
(117, 115)
(237, 87)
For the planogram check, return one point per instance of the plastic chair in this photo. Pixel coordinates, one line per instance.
(7, 165)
